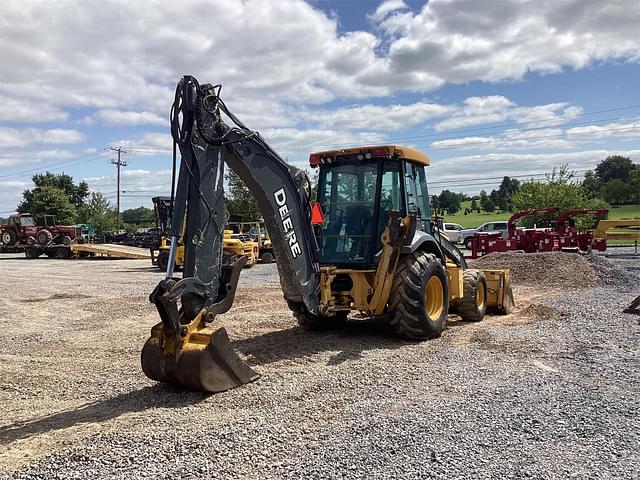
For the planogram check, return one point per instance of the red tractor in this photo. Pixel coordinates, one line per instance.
(22, 229)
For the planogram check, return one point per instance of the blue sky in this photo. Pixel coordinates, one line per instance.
(485, 88)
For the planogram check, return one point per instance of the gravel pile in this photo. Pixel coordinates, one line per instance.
(622, 274)
(558, 269)
(550, 396)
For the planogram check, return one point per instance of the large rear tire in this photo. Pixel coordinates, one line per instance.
(419, 300)
(473, 305)
(9, 237)
(315, 322)
(44, 237)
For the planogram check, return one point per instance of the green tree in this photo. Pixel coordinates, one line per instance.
(449, 200)
(614, 167)
(474, 204)
(591, 184)
(98, 212)
(507, 188)
(634, 184)
(240, 201)
(560, 190)
(616, 192)
(140, 216)
(75, 193)
(486, 203)
(48, 200)
(452, 209)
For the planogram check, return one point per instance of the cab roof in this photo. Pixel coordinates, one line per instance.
(364, 153)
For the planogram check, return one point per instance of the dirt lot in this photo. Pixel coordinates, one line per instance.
(550, 391)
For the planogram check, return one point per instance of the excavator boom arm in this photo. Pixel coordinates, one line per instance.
(281, 190)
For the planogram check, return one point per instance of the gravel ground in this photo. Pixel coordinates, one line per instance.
(550, 391)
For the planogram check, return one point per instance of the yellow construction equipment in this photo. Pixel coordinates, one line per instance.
(231, 246)
(257, 232)
(367, 245)
(628, 229)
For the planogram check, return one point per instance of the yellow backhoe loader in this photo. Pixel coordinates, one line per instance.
(367, 245)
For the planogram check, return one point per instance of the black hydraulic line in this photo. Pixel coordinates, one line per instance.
(282, 192)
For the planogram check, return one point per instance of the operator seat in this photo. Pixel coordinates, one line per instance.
(357, 220)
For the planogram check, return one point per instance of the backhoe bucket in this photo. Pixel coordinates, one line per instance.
(499, 293)
(201, 359)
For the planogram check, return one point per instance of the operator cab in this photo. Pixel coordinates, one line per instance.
(357, 190)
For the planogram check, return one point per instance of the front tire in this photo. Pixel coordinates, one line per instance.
(472, 307)
(419, 300)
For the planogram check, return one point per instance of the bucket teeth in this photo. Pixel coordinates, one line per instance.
(203, 361)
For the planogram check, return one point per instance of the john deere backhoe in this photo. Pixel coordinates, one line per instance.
(366, 246)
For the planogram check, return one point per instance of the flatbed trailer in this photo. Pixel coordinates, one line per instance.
(79, 250)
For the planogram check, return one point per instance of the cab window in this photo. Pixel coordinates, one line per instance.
(347, 196)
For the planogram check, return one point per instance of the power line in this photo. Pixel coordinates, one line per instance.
(500, 178)
(55, 165)
(448, 135)
(506, 140)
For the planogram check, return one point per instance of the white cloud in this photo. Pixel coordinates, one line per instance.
(18, 110)
(20, 137)
(387, 7)
(137, 186)
(287, 52)
(453, 173)
(123, 118)
(543, 138)
(24, 157)
(615, 129)
(10, 195)
(290, 141)
(497, 108)
(150, 143)
(379, 117)
(466, 40)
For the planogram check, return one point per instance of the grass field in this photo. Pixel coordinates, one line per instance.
(473, 220)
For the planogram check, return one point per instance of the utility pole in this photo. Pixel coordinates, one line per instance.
(118, 163)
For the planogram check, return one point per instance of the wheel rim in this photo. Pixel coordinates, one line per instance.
(480, 296)
(434, 300)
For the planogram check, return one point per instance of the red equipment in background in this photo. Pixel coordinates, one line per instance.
(556, 235)
(570, 237)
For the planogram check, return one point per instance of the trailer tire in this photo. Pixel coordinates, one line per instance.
(31, 253)
(468, 242)
(267, 257)
(419, 300)
(472, 307)
(44, 237)
(62, 252)
(309, 321)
